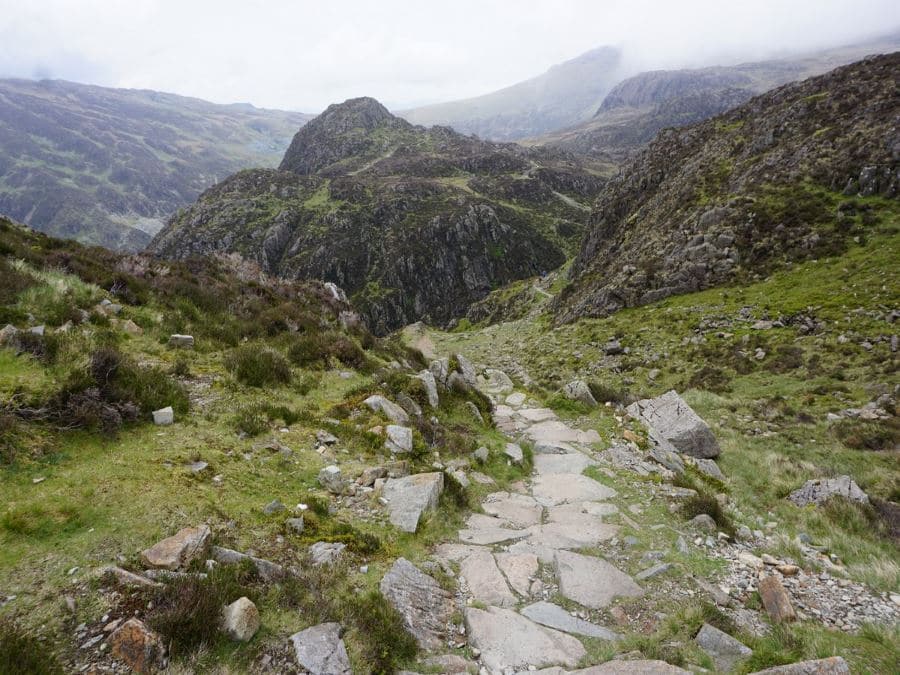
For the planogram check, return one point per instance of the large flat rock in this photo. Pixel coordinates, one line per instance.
(520, 510)
(489, 536)
(568, 488)
(485, 581)
(591, 581)
(554, 431)
(572, 530)
(616, 667)
(536, 414)
(519, 570)
(409, 497)
(554, 616)
(509, 640)
(425, 606)
(673, 424)
(570, 462)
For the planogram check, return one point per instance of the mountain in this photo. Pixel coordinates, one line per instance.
(108, 166)
(413, 223)
(565, 95)
(637, 108)
(769, 182)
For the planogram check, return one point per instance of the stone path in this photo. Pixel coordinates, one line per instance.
(510, 617)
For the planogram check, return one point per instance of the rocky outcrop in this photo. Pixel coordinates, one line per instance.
(819, 491)
(412, 223)
(742, 192)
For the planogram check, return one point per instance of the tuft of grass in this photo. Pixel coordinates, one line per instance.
(23, 653)
(258, 367)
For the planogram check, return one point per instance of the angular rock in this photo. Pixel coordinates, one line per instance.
(132, 328)
(578, 390)
(703, 522)
(481, 454)
(409, 497)
(710, 468)
(267, 570)
(474, 412)
(834, 665)
(321, 651)
(138, 647)
(536, 414)
(496, 382)
(519, 569)
(325, 552)
(240, 620)
(554, 616)
(486, 583)
(514, 453)
(389, 409)
(467, 370)
(726, 652)
(295, 525)
(181, 341)
(639, 667)
(326, 437)
(567, 488)
(440, 369)
(666, 457)
(431, 391)
(7, 333)
(674, 425)
(425, 606)
(508, 640)
(371, 474)
(127, 578)
(776, 600)
(274, 506)
(654, 571)
(399, 439)
(821, 490)
(331, 479)
(591, 581)
(164, 416)
(179, 550)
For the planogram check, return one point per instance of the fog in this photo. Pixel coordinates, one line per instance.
(303, 55)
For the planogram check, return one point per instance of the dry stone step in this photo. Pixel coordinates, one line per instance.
(508, 640)
(572, 535)
(536, 414)
(486, 583)
(592, 582)
(616, 667)
(554, 616)
(568, 488)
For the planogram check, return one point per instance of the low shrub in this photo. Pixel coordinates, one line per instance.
(314, 350)
(868, 434)
(385, 644)
(258, 367)
(23, 653)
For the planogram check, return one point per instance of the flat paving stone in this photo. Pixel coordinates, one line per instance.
(591, 581)
(618, 667)
(485, 581)
(488, 536)
(515, 400)
(556, 431)
(508, 640)
(554, 448)
(479, 521)
(536, 414)
(599, 509)
(554, 616)
(570, 462)
(519, 570)
(571, 535)
(456, 552)
(568, 488)
(521, 510)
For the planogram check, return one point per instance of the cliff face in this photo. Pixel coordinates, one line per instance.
(742, 192)
(414, 223)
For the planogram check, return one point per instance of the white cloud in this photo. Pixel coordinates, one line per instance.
(303, 55)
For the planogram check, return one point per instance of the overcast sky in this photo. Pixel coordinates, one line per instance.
(303, 55)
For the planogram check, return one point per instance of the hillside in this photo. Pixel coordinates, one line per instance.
(412, 223)
(108, 166)
(637, 108)
(566, 94)
(743, 193)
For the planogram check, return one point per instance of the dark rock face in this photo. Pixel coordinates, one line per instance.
(415, 224)
(742, 192)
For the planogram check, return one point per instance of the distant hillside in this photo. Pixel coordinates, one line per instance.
(741, 193)
(108, 166)
(637, 108)
(413, 223)
(565, 95)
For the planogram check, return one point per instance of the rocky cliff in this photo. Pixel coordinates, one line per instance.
(740, 193)
(413, 223)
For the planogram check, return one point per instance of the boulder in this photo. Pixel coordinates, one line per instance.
(399, 439)
(591, 581)
(675, 426)
(371, 474)
(776, 600)
(181, 341)
(834, 665)
(467, 370)
(331, 479)
(425, 606)
(240, 620)
(431, 391)
(321, 651)
(821, 490)
(578, 390)
(164, 416)
(389, 409)
(726, 652)
(325, 552)
(138, 647)
(295, 525)
(179, 550)
(514, 452)
(496, 382)
(409, 405)
(703, 522)
(409, 497)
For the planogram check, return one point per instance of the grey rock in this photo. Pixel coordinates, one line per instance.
(326, 552)
(467, 370)
(321, 651)
(425, 606)
(331, 479)
(568, 488)
(389, 409)
(240, 620)
(399, 439)
(496, 382)
(7, 333)
(295, 525)
(474, 412)
(267, 570)
(179, 550)
(164, 416)
(274, 506)
(440, 369)
(834, 665)
(703, 522)
(481, 454)
(554, 616)
(514, 452)
(409, 405)
(431, 391)
(592, 582)
(664, 455)
(37, 330)
(674, 425)
(371, 474)
(820, 490)
(181, 341)
(710, 468)
(578, 390)
(654, 571)
(485, 581)
(409, 497)
(726, 652)
(325, 437)
(613, 348)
